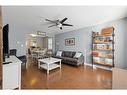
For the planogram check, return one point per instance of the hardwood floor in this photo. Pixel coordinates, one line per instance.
(83, 77)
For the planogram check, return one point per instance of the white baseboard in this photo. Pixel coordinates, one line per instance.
(88, 64)
(97, 66)
(106, 68)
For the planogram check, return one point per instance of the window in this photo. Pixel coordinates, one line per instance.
(49, 43)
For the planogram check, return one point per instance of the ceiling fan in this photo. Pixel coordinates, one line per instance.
(58, 23)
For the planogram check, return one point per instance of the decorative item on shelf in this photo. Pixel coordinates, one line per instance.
(70, 41)
(101, 39)
(102, 60)
(107, 31)
(108, 61)
(95, 53)
(106, 40)
(40, 33)
(109, 46)
(110, 56)
(94, 46)
(110, 38)
(96, 59)
(101, 46)
(97, 33)
(101, 54)
(94, 34)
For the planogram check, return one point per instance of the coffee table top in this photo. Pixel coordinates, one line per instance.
(49, 60)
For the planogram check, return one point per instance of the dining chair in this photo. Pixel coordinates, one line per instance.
(42, 54)
(13, 52)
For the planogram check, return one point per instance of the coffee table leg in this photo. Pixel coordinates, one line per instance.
(47, 68)
(38, 64)
(60, 64)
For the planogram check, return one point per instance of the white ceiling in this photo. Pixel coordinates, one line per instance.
(32, 17)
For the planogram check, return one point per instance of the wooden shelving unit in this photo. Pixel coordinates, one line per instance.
(103, 47)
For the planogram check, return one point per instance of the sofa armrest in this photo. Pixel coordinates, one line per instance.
(80, 60)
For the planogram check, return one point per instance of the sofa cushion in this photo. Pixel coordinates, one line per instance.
(69, 54)
(73, 54)
(59, 53)
(77, 55)
(67, 59)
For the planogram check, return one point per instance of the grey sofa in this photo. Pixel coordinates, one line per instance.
(68, 58)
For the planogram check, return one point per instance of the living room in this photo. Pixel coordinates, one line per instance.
(72, 44)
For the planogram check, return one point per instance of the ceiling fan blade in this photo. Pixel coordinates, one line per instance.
(66, 24)
(50, 21)
(63, 20)
(51, 26)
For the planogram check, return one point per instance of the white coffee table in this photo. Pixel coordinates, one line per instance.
(49, 64)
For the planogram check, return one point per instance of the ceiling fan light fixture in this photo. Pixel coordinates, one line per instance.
(59, 25)
(61, 28)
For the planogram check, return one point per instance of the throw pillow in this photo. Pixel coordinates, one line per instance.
(77, 55)
(59, 53)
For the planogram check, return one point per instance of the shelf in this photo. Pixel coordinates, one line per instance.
(101, 42)
(103, 57)
(103, 49)
(103, 64)
(102, 35)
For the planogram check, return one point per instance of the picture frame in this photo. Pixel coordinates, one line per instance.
(69, 41)
(40, 33)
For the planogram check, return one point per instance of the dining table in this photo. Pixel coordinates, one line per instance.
(38, 52)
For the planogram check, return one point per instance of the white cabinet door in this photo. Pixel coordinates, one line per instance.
(10, 76)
